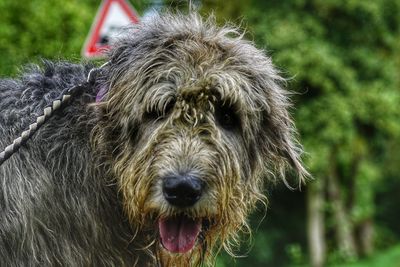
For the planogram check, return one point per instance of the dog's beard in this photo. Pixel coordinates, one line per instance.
(164, 254)
(194, 257)
(185, 237)
(211, 238)
(195, 249)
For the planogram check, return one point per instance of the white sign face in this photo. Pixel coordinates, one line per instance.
(112, 17)
(116, 19)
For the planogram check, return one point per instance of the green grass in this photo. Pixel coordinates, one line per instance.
(388, 258)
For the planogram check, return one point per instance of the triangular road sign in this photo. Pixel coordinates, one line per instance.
(111, 17)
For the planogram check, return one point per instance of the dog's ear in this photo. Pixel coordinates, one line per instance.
(280, 146)
(102, 92)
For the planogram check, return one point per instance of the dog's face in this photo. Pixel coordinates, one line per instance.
(194, 119)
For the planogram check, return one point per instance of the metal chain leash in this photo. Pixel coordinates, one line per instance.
(57, 104)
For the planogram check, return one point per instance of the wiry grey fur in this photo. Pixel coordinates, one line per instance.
(68, 197)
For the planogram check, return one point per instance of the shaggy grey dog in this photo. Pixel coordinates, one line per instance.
(163, 169)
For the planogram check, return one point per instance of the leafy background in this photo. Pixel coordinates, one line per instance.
(342, 59)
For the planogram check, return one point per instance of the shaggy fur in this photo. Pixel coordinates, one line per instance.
(182, 96)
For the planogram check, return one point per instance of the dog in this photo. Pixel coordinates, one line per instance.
(158, 163)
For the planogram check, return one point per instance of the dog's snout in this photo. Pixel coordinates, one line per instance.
(182, 190)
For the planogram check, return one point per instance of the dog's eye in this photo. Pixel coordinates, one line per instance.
(227, 118)
(156, 114)
(168, 107)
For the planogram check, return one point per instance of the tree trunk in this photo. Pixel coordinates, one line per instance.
(366, 237)
(315, 219)
(343, 227)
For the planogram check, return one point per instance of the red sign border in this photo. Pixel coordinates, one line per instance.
(90, 49)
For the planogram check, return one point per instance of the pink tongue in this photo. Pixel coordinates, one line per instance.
(179, 234)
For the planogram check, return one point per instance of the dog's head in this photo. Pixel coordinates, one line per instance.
(193, 121)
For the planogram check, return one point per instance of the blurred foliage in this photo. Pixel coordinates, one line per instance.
(51, 29)
(342, 59)
(389, 258)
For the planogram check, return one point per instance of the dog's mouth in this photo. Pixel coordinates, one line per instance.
(179, 233)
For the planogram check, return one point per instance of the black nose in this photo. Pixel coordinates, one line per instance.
(182, 190)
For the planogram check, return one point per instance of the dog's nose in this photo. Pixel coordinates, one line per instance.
(182, 190)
